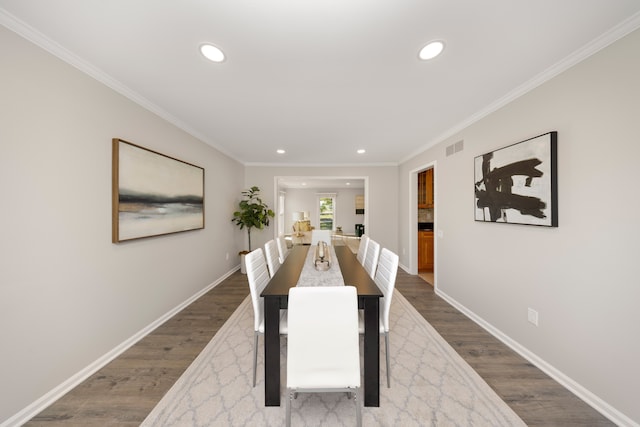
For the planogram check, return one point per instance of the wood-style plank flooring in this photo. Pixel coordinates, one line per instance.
(534, 396)
(126, 390)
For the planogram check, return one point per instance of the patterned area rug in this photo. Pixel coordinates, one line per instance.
(431, 385)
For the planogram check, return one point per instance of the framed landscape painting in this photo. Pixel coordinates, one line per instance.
(517, 184)
(153, 194)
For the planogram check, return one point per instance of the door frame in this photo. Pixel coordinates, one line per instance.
(277, 188)
(413, 218)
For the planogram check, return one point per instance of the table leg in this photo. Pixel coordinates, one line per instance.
(271, 351)
(371, 352)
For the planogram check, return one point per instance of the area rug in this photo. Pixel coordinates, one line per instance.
(431, 385)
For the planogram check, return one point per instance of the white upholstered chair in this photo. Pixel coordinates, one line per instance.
(258, 277)
(283, 249)
(386, 280)
(362, 249)
(323, 353)
(273, 257)
(321, 235)
(371, 257)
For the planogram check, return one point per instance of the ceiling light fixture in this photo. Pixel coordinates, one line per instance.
(212, 53)
(431, 50)
(280, 151)
(361, 151)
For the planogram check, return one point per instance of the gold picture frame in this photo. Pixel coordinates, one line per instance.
(153, 194)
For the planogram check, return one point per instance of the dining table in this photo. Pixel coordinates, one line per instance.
(276, 294)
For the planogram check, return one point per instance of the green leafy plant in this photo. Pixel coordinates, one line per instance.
(252, 213)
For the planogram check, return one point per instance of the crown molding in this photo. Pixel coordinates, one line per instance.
(612, 35)
(320, 165)
(21, 28)
(39, 39)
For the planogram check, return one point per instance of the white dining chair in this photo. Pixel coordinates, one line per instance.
(258, 277)
(273, 257)
(385, 280)
(283, 249)
(321, 235)
(323, 352)
(371, 257)
(362, 249)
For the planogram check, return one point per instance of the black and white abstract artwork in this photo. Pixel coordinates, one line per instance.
(517, 184)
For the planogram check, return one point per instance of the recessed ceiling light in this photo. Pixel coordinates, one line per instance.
(348, 183)
(280, 151)
(212, 53)
(304, 183)
(431, 50)
(361, 151)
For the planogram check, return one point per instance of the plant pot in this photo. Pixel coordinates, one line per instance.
(243, 267)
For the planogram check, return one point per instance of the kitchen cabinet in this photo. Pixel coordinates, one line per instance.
(425, 250)
(422, 190)
(425, 189)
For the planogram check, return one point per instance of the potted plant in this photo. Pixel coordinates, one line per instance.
(252, 213)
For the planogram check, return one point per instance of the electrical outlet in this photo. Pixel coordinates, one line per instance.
(532, 316)
(227, 257)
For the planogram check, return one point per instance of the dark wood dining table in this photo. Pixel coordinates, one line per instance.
(276, 295)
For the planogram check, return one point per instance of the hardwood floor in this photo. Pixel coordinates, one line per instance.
(534, 396)
(127, 389)
(427, 276)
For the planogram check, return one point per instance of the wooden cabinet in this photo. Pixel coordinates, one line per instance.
(425, 250)
(425, 189)
(422, 190)
(429, 189)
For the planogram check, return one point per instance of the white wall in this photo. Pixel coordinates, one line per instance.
(582, 277)
(68, 296)
(381, 196)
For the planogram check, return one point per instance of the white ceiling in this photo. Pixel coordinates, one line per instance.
(321, 79)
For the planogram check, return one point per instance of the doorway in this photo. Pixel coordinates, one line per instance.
(423, 220)
(329, 202)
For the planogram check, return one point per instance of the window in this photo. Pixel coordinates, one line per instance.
(327, 209)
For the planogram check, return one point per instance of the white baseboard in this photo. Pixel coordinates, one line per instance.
(581, 392)
(39, 405)
(405, 268)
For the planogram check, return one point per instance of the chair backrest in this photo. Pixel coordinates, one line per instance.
(258, 277)
(283, 250)
(322, 343)
(371, 258)
(321, 235)
(273, 258)
(386, 280)
(362, 249)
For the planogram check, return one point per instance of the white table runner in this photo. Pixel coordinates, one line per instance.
(309, 276)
